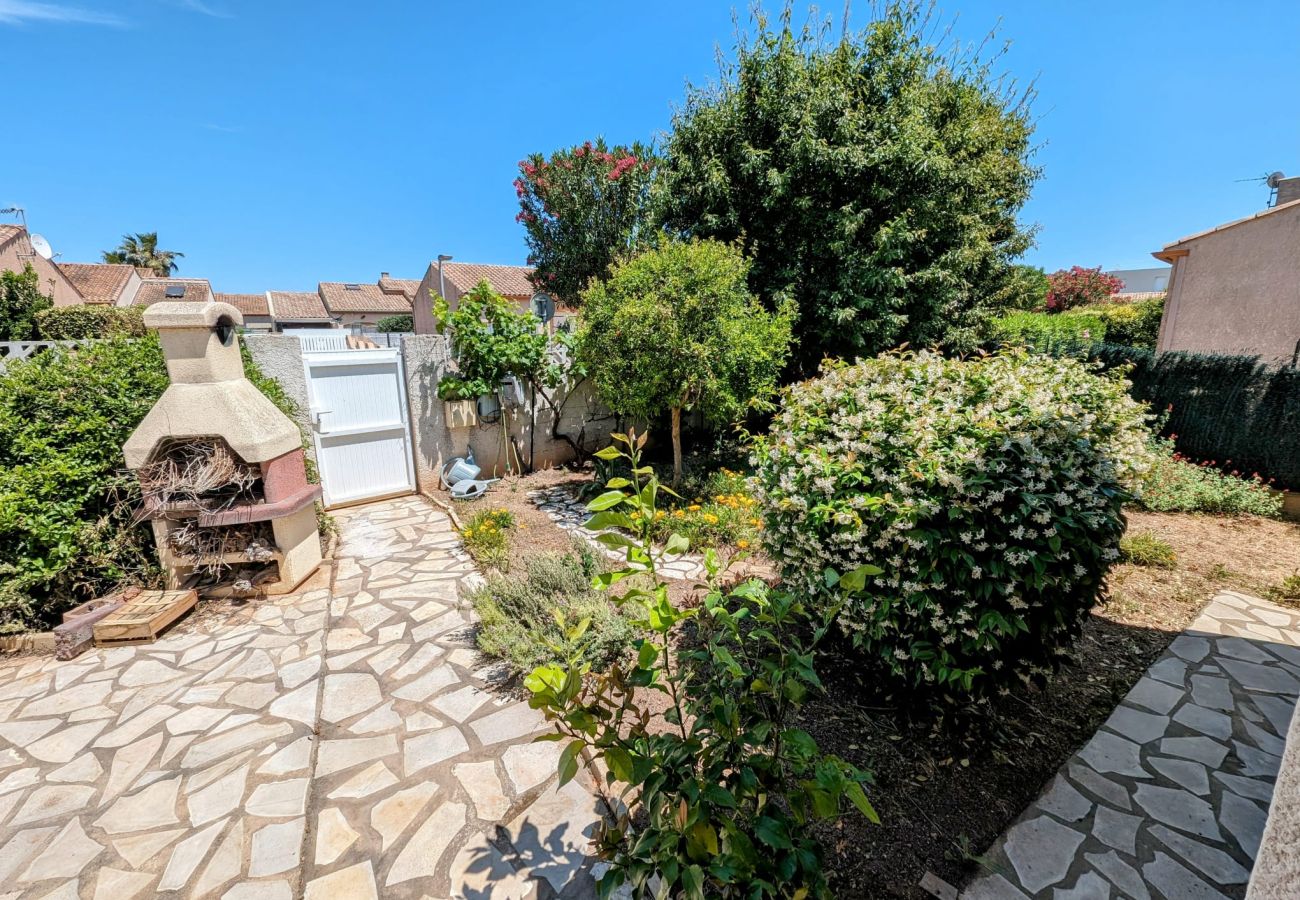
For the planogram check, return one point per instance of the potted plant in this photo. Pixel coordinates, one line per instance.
(458, 396)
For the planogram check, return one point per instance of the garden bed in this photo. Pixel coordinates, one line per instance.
(945, 794)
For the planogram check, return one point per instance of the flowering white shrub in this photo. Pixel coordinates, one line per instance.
(989, 490)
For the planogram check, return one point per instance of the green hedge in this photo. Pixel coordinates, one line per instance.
(1046, 332)
(396, 324)
(71, 323)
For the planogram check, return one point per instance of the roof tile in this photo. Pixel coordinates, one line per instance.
(154, 290)
(298, 306)
(248, 304)
(351, 297)
(98, 282)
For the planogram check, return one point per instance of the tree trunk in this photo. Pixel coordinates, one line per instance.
(677, 446)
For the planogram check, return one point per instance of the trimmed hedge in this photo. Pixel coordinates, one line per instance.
(73, 323)
(396, 324)
(1046, 332)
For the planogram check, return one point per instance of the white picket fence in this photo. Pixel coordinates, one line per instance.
(330, 340)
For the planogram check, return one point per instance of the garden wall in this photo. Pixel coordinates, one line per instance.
(426, 358)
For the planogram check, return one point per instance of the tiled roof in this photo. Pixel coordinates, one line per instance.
(154, 290)
(508, 281)
(248, 304)
(407, 286)
(9, 232)
(1177, 246)
(351, 297)
(298, 306)
(98, 282)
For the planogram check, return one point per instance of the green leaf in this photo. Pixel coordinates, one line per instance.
(568, 766)
(608, 454)
(607, 500)
(859, 799)
(615, 483)
(773, 832)
(676, 545)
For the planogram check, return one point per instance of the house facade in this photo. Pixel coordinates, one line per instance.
(1236, 288)
(1142, 282)
(455, 279)
(256, 309)
(358, 304)
(16, 253)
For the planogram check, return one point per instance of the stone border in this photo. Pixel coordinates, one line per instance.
(569, 513)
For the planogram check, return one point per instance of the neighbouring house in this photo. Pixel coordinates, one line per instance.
(455, 279)
(16, 253)
(172, 290)
(1236, 288)
(106, 284)
(256, 309)
(298, 309)
(363, 304)
(1140, 283)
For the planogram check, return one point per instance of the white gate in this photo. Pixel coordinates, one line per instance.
(360, 424)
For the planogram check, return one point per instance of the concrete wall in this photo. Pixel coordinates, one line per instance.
(279, 356)
(426, 358)
(1237, 290)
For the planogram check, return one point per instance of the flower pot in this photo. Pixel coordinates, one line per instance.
(460, 413)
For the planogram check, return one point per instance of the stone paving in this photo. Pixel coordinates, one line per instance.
(569, 513)
(1169, 798)
(336, 743)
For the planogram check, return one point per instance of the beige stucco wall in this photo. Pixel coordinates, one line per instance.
(53, 282)
(422, 306)
(1237, 291)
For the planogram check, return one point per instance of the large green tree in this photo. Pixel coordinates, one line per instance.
(583, 208)
(875, 179)
(141, 250)
(20, 300)
(676, 328)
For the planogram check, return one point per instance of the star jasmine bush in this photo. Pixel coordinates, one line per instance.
(989, 490)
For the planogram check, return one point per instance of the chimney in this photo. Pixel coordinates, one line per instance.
(1288, 189)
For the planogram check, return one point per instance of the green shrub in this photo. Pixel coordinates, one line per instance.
(396, 324)
(1047, 331)
(716, 799)
(518, 612)
(1145, 549)
(1287, 589)
(991, 490)
(714, 508)
(21, 302)
(487, 537)
(1135, 324)
(1175, 484)
(66, 501)
(72, 323)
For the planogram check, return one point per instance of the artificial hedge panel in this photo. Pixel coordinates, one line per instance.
(1234, 411)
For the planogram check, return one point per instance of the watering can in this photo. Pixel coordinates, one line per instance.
(460, 476)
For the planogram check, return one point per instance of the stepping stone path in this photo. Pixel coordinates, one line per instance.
(338, 743)
(1169, 798)
(569, 513)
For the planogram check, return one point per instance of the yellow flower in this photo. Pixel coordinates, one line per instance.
(694, 507)
(679, 514)
(469, 532)
(742, 544)
(659, 514)
(711, 518)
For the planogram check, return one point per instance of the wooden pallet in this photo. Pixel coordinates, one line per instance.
(142, 619)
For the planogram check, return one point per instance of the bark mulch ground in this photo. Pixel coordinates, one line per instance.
(945, 789)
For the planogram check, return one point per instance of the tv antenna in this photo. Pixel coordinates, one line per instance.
(1271, 180)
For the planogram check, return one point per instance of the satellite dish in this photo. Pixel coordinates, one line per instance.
(1274, 179)
(42, 247)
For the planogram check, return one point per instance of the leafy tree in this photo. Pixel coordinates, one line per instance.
(1078, 286)
(396, 324)
(583, 208)
(1024, 288)
(676, 328)
(20, 302)
(875, 179)
(141, 250)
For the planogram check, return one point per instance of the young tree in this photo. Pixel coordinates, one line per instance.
(875, 179)
(20, 300)
(141, 250)
(583, 208)
(675, 328)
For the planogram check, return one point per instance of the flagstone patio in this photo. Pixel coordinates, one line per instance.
(342, 742)
(1169, 798)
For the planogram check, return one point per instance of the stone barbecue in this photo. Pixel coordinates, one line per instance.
(221, 468)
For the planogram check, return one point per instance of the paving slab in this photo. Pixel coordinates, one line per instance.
(1169, 798)
(344, 741)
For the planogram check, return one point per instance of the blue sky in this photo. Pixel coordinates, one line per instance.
(282, 143)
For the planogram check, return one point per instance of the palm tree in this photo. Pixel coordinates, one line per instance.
(141, 250)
